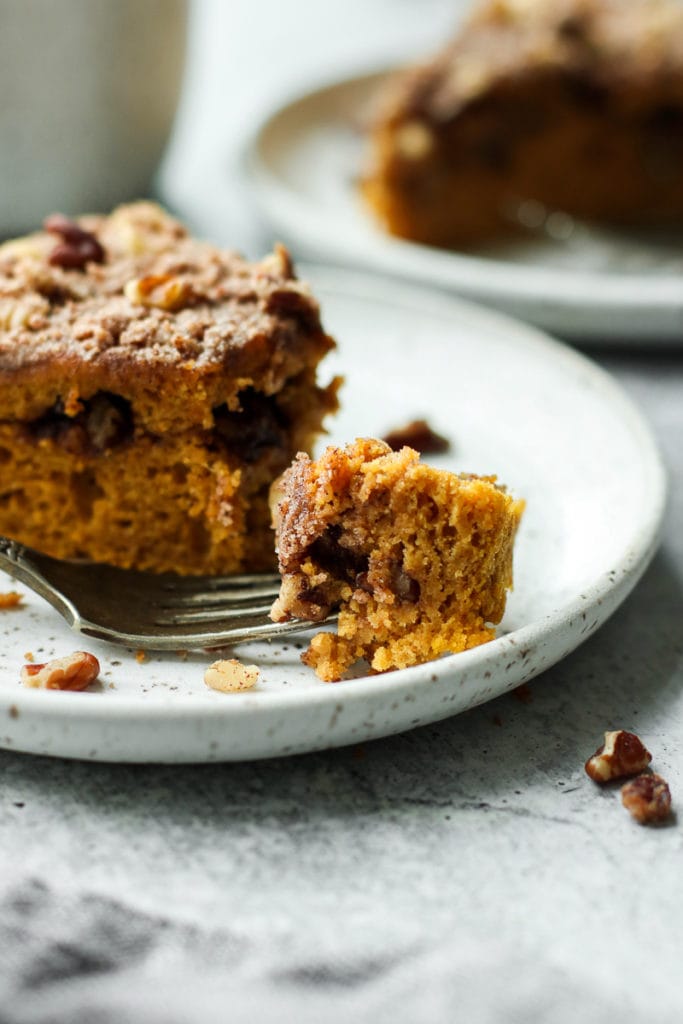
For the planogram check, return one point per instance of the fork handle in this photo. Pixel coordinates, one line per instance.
(11, 553)
(24, 564)
(16, 560)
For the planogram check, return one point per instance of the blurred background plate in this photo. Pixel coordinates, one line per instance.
(580, 282)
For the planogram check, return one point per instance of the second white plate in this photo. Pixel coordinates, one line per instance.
(555, 428)
(304, 163)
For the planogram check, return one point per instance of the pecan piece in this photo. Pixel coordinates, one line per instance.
(77, 246)
(648, 798)
(72, 672)
(621, 754)
(231, 676)
(160, 291)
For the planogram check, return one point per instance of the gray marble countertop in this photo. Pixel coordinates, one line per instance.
(467, 870)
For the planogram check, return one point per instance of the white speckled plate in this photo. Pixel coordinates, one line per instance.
(579, 282)
(552, 425)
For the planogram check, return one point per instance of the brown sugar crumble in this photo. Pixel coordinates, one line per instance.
(417, 435)
(152, 386)
(418, 561)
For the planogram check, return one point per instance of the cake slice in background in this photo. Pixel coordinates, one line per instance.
(568, 105)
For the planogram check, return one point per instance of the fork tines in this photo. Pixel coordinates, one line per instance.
(212, 599)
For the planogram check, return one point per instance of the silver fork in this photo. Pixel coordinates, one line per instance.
(142, 610)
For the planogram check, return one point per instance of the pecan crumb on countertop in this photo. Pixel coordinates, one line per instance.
(621, 754)
(418, 435)
(10, 600)
(648, 798)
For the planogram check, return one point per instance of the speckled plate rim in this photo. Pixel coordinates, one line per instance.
(365, 708)
(601, 306)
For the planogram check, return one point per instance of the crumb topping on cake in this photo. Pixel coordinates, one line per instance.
(159, 300)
